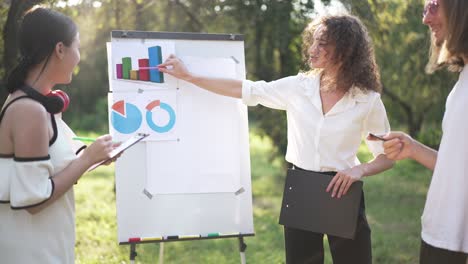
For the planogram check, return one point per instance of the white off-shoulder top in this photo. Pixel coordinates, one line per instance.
(48, 236)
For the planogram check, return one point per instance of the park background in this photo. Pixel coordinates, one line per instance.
(414, 101)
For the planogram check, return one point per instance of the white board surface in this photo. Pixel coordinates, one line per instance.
(194, 177)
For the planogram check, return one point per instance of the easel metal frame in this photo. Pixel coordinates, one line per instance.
(242, 245)
(174, 35)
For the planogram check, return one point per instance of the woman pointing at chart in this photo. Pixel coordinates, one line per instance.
(329, 110)
(39, 161)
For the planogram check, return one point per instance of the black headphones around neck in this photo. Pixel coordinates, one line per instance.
(55, 102)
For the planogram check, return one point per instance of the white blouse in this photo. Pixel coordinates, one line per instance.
(48, 236)
(445, 216)
(316, 141)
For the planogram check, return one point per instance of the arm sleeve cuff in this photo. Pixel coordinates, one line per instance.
(247, 97)
(275, 94)
(377, 123)
(32, 183)
(80, 149)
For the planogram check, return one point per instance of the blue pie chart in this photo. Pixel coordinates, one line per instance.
(126, 118)
(165, 107)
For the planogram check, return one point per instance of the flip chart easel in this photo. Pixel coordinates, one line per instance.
(200, 141)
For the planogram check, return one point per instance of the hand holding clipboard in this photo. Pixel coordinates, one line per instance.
(307, 206)
(121, 148)
(342, 181)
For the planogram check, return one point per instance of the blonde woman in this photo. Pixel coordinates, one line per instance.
(445, 217)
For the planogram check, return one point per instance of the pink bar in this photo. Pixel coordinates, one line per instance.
(119, 71)
(147, 68)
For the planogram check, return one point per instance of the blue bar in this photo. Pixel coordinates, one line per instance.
(155, 58)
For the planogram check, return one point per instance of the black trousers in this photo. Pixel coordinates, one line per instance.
(432, 255)
(305, 247)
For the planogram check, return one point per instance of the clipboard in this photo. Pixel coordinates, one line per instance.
(125, 145)
(306, 205)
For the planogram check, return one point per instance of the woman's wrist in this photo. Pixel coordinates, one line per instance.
(189, 77)
(423, 155)
(414, 147)
(363, 168)
(84, 160)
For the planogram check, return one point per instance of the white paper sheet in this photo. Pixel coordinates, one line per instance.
(206, 158)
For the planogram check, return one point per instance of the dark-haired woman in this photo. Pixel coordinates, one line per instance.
(39, 162)
(329, 111)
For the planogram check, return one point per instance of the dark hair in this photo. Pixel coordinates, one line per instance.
(352, 48)
(40, 31)
(455, 46)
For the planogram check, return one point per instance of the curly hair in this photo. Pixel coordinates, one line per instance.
(353, 49)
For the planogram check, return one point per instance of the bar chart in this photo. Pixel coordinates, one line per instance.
(147, 67)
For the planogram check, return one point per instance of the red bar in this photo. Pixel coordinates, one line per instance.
(143, 64)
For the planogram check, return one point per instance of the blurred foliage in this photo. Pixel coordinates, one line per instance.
(272, 29)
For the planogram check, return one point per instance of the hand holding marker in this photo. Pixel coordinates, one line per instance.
(84, 139)
(372, 136)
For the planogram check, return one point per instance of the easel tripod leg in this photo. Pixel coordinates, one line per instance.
(133, 253)
(242, 248)
(161, 253)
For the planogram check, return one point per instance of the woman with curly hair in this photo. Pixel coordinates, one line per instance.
(329, 111)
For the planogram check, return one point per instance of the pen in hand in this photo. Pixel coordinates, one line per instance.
(84, 139)
(375, 137)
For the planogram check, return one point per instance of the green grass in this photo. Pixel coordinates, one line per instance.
(394, 203)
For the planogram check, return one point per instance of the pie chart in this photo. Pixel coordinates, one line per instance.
(125, 117)
(165, 107)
